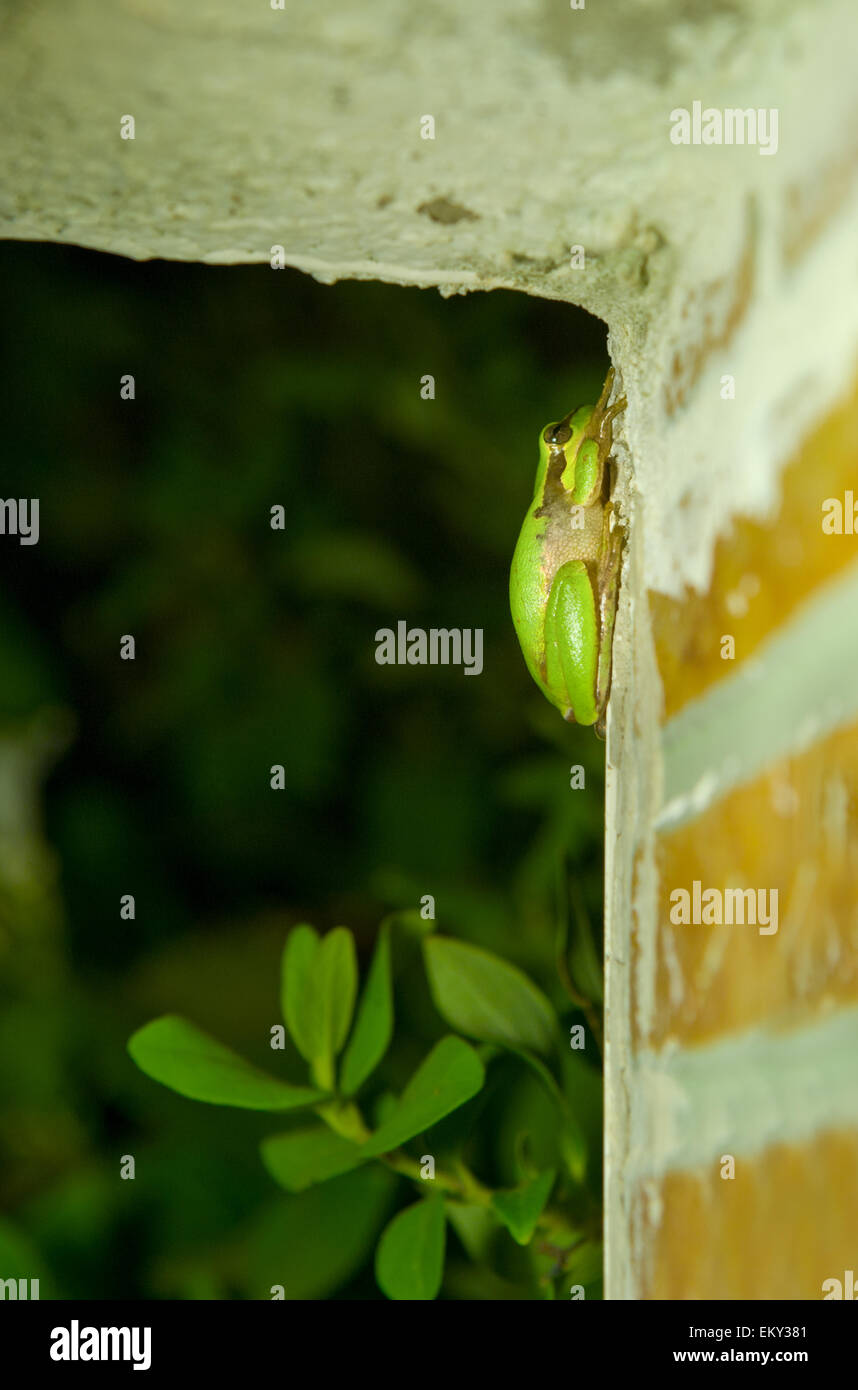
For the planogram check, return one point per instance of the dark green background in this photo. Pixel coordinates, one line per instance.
(256, 647)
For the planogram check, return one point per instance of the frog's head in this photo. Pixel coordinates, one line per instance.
(568, 431)
(561, 444)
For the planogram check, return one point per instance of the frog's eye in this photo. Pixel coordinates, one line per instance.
(556, 436)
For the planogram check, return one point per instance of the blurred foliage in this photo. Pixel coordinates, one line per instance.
(256, 647)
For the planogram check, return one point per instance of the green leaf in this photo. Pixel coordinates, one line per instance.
(581, 1135)
(315, 1241)
(486, 997)
(520, 1209)
(171, 1050)
(579, 954)
(475, 1226)
(541, 1070)
(319, 984)
(374, 1023)
(449, 1076)
(297, 990)
(585, 1265)
(337, 988)
(409, 1261)
(301, 1158)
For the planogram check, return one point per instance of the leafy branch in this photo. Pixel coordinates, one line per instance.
(343, 1040)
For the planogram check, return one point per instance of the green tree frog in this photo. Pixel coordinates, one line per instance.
(566, 566)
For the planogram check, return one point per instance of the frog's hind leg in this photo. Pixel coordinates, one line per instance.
(609, 584)
(572, 641)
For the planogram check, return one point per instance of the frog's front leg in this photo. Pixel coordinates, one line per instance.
(572, 642)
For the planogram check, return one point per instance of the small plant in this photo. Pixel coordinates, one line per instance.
(462, 1107)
